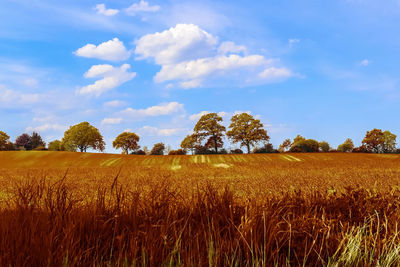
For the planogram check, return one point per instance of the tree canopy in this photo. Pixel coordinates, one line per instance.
(158, 149)
(285, 145)
(374, 141)
(127, 141)
(246, 131)
(4, 140)
(389, 142)
(324, 146)
(55, 145)
(190, 142)
(209, 126)
(304, 145)
(83, 136)
(24, 140)
(347, 146)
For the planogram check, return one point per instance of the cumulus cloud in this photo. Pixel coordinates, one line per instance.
(162, 109)
(101, 9)
(47, 127)
(112, 50)
(179, 43)
(111, 121)
(111, 77)
(142, 6)
(231, 47)
(154, 131)
(189, 56)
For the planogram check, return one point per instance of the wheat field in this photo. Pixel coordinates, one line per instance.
(297, 209)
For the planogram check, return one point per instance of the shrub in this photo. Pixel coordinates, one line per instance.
(177, 152)
(237, 151)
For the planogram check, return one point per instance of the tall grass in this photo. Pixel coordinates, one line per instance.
(44, 223)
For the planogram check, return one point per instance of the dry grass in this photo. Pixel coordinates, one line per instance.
(256, 210)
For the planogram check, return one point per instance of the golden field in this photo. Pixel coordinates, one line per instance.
(88, 209)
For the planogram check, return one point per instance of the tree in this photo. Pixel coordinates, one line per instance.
(298, 138)
(83, 136)
(36, 141)
(246, 131)
(209, 126)
(24, 140)
(347, 146)
(324, 146)
(158, 149)
(190, 142)
(389, 142)
(4, 140)
(127, 141)
(305, 145)
(374, 141)
(285, 145)
(55, 145)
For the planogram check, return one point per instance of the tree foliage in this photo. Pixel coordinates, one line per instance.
(374, 141)
(127, 141)
(4, 140)
(389, 142)
(55, 145)
(324, 146)
(158, 149)
(301, 144)
(190, 142)
(83, 136)
(347, 146)
(36, 141)
(285, 145)
(24, 141)
(246, 131)
(209, 127)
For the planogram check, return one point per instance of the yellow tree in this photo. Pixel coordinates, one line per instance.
(126, 141)
(83, 136)
(373, 141)
(209, 126)
(190, 142)
(4, 139)
(246, 130)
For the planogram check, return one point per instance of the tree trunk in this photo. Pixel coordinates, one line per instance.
(248, 148)
(215, 144)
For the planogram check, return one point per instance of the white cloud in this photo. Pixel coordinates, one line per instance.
(113, 50)
(47, 127)
(197, 116)
(273, 74)
(196, 70)
(365, 62)
(190, 57)
(111, 77)
(154, 131)
(231, 47)
(142, 6)
(111, 121)
(114, 104)
(182, 42)
(101, 9)
(162, 109)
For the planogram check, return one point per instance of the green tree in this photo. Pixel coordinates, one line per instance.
(158, 149)
(246, 131)
(127, 141)
(285, 145)
(83, 136)
(209, 126)
(36, 141)
(347, 146)
(389, 141)
(4, 140)
(374, 141)
(305, 145)
(55, 145)
(324, 146)
(298, 138)
(190, 142)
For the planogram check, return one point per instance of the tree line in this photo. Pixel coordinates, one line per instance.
(207, 138)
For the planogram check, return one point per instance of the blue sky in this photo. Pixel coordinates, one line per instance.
(327, 70)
